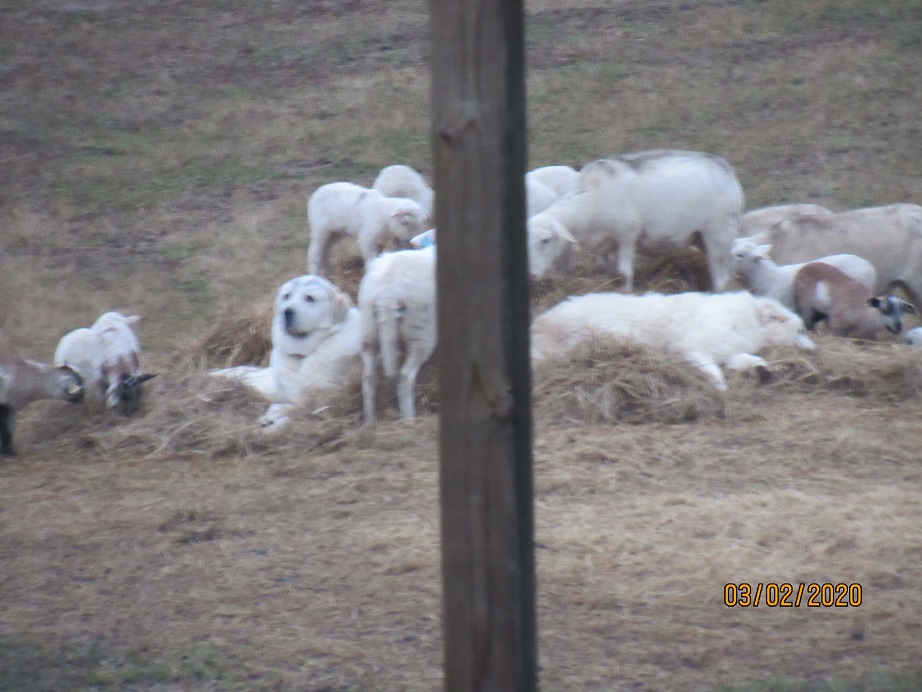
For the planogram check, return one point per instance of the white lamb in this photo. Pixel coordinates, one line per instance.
(708, 330)
(108, 357)
(23, 381)
(403, 181)
(823, 292)
(759, 273)
(889, 237)
(315, 348)
(374, 220)
(655, 201)
(538, 197)
(398, 306)
(563, 180)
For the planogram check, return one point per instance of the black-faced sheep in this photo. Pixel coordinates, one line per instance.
(823, 292)
(108, 357)
(23, 381)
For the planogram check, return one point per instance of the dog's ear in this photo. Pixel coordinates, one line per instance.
(340, 304)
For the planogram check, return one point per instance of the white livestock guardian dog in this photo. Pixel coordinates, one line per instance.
(316, 345)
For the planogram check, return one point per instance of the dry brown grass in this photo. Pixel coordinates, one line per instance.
(156, 158)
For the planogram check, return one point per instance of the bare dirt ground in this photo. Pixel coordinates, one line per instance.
(155, 157)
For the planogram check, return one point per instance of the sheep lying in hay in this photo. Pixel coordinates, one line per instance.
(707, 330)
(24, 381)
(108, 357)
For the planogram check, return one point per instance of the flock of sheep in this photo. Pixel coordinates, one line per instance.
(801, 264)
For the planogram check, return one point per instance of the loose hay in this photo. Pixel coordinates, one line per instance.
(238, 338)
(607, 380)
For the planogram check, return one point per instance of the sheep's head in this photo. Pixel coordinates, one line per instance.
(891, 309)
(548, 243)
(407, 220)
(71, 384)
(126, 395)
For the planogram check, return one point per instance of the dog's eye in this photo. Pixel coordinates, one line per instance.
(286, 296)
(309, 299)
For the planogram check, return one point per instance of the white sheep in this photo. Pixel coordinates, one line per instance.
(397, 302)
(823, 292)
(23, 381)
(403, 181)
(538, 197)
(756, 221)
(374, 220)
(759, 273)
(563, 180)
(914, 337)
(889, 237)
(315, 348)
(108, 357)
(655, 201)
(707, 330)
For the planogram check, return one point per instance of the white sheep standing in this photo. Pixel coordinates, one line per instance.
(399, 180)
(655, 201)
(338, 209)
(708, 330)
(563, 180)
(889, 237)
(538, 197)
(759, 273)
(23, 381)
(822, 291)
(397, 302)
(108, 357)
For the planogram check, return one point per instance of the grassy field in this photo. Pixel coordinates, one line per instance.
(154, 159)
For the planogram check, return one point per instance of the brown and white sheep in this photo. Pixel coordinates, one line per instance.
(23, 381)
(824, 292)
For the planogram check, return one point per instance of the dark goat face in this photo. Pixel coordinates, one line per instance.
(71, 384)
(891, 309)
(129, 393)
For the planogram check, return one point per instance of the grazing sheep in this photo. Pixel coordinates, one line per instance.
(315, 347)
(823, 292)
(548, 245)
(562, 180)
(24, 381)
(758, 273)
(398, 307)
(758, 220)
(402, 181)
(707, 330)
(914, 337)
(889, 237)
(338, 209)
(108, 357)
(656, 201)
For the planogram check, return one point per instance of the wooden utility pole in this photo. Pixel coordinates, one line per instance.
(479, 150)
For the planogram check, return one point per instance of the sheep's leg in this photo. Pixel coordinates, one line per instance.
(718, 265)
(626, 251)
(7, 427)
(369, 382)
(406, 384)
(369, 246)
(318, 254)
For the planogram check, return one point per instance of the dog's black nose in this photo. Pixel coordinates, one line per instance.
(289, 316)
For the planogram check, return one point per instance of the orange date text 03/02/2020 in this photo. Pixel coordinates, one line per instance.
(788, 595)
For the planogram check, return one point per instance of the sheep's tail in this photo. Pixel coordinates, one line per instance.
(388, 314)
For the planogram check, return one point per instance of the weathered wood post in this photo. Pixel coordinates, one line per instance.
(479, 150)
